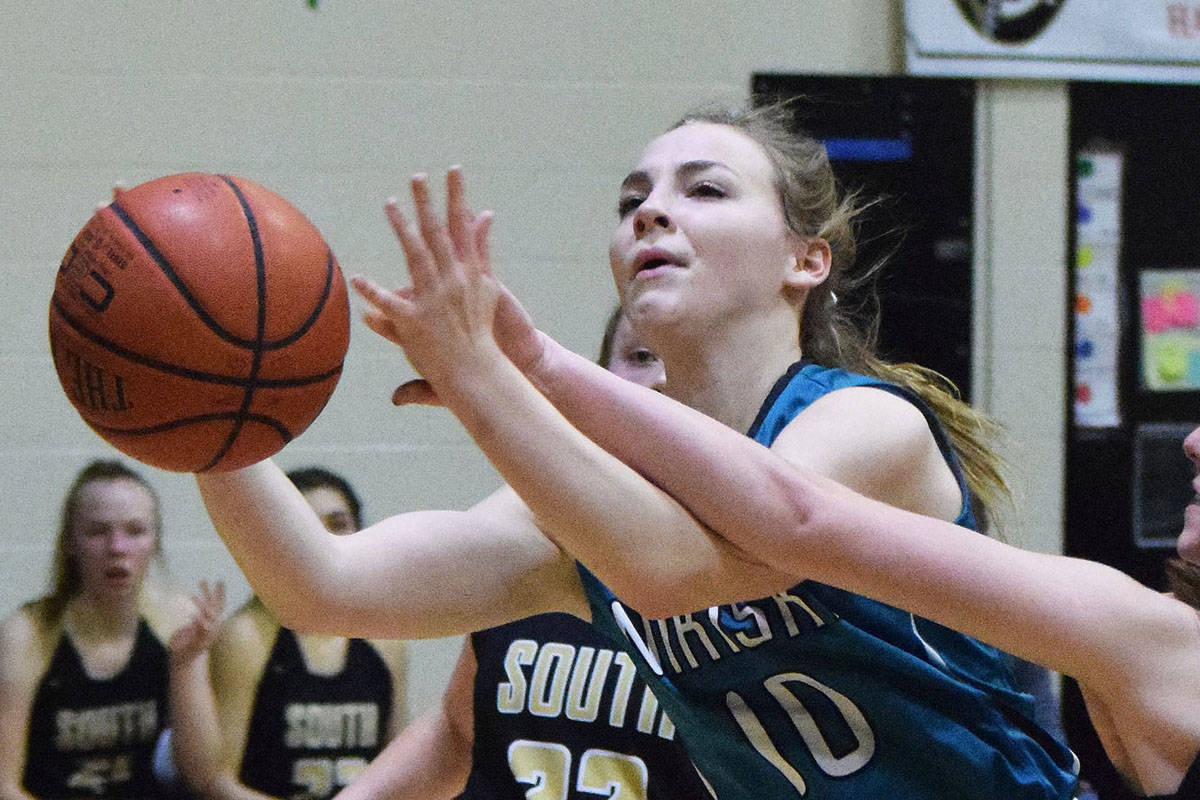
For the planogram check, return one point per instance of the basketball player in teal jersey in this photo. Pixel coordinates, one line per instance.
(1134, 651)
(724, 255)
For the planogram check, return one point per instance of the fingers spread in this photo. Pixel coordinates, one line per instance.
(417, 256)
(435, 237)
(458, 216)
(390, 303)
(480, 227)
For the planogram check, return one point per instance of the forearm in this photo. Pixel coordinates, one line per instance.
(426, 761)
(12, 764)
(17, 688)
(195, 731)
(805, 524)
(275, 538)
(637, 539)
(735, 486)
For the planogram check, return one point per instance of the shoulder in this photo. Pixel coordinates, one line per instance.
(857, 417)
(20, 626)
(882, 401)
(244, 642)
(26, 644)
(879, 443)
(394, 655)
(251, 626)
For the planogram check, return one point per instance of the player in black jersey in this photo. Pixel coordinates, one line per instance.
(286, 715)
(83, 670)
(542, 703)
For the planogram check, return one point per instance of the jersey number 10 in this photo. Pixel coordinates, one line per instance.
(806, 724)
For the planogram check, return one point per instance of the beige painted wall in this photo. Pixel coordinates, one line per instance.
(545, 103)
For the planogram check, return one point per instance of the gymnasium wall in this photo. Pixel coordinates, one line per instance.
(546, 104)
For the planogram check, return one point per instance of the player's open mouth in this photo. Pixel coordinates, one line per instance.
(654, 261)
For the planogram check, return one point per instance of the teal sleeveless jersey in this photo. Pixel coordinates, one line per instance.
(821, 693)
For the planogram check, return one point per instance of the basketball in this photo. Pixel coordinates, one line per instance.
(199, 322)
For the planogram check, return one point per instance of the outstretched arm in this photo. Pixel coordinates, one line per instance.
(418, 574)
(786, 514)
(770, 506)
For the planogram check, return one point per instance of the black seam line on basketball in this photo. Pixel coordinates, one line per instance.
(194, 304)
(262, 419)
(164, 265)
(256, 353)
(186, 372)
(308, 323)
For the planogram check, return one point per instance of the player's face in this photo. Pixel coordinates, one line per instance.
(114, 537)
(1189, 540)
(701, 231)
(633, 362)
(332, 508)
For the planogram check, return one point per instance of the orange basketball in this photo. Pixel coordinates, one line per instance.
(199, 322)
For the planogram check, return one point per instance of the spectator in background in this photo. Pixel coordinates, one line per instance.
(263, 710)
(83, 669)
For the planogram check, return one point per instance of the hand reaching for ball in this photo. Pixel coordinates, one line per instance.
(456, 317)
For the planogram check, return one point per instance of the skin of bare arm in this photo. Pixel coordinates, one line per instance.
(196, 732)
(1135, 659)
(789, 515)
(22, 661)
(431, 758)
(456, 571)
(769, 507)
(235, 662)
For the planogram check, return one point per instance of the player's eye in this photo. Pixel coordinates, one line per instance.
(643, 357)
(627, 204)
(706, 189)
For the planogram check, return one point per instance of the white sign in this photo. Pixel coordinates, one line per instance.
(1116, 40)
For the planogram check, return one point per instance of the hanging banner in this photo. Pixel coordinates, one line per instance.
(1113, 40)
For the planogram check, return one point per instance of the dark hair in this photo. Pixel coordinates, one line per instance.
(65, 577)
(840, 317)
(310, 478)
(610, 333)
(1183, 580)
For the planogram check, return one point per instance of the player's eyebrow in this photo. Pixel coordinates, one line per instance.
(640, 177)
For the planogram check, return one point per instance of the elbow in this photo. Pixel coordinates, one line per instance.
(314, 601)
(303, 615)
(793, 525)
(665, 587)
